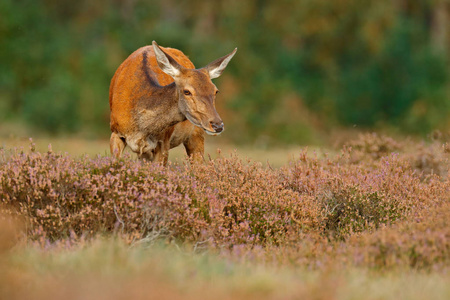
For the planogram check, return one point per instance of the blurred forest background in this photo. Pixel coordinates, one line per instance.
(303, 67)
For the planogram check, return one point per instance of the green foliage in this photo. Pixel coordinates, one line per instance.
(385, 89)
(349, 62)
(53, 106)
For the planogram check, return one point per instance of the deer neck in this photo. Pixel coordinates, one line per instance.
(161, 110)
(172, 111)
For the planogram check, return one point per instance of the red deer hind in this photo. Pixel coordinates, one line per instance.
(158, 100)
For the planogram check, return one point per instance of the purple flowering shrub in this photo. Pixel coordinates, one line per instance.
(350, 202)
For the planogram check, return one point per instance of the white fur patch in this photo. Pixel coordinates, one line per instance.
(164, 63)
(216, 72)
(139, 144)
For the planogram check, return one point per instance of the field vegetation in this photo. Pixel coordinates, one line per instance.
(303, 67)
(346, 218)
(370, 220)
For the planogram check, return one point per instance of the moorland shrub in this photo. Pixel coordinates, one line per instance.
(309, 205)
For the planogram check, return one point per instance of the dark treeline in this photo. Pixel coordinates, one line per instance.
(302, 67)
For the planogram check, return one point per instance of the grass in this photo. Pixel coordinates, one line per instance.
(109, 269)
(76, 147)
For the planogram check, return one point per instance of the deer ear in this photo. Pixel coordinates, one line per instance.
(166, 62)
(216, 68)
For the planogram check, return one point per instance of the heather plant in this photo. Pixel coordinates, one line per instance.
(307, 211)
(420, 244)
(431, 159)
(63, 196)
(372, 146)
(247, 203)
(356, 197)
(425, 157)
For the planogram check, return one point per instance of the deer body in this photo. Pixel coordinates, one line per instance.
(159, 101)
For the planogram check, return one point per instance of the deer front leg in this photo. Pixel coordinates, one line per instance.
(116, 145)
(195, 146)
(161, 152)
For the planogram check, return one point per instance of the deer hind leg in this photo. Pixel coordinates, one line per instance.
(116, 145)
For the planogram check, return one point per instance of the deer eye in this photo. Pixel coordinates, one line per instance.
(187, 93)
(217, 91)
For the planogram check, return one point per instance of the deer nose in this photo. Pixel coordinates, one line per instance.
(217, 126)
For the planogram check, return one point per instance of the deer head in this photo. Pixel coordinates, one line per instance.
(195, 90)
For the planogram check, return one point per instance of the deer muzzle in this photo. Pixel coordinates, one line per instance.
(217, 126)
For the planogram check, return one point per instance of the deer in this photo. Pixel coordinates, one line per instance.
(158, 100)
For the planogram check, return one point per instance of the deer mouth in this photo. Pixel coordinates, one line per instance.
(211, 132)
(199, 124)
(216, 129)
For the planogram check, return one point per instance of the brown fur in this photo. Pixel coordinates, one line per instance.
(145, 110)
